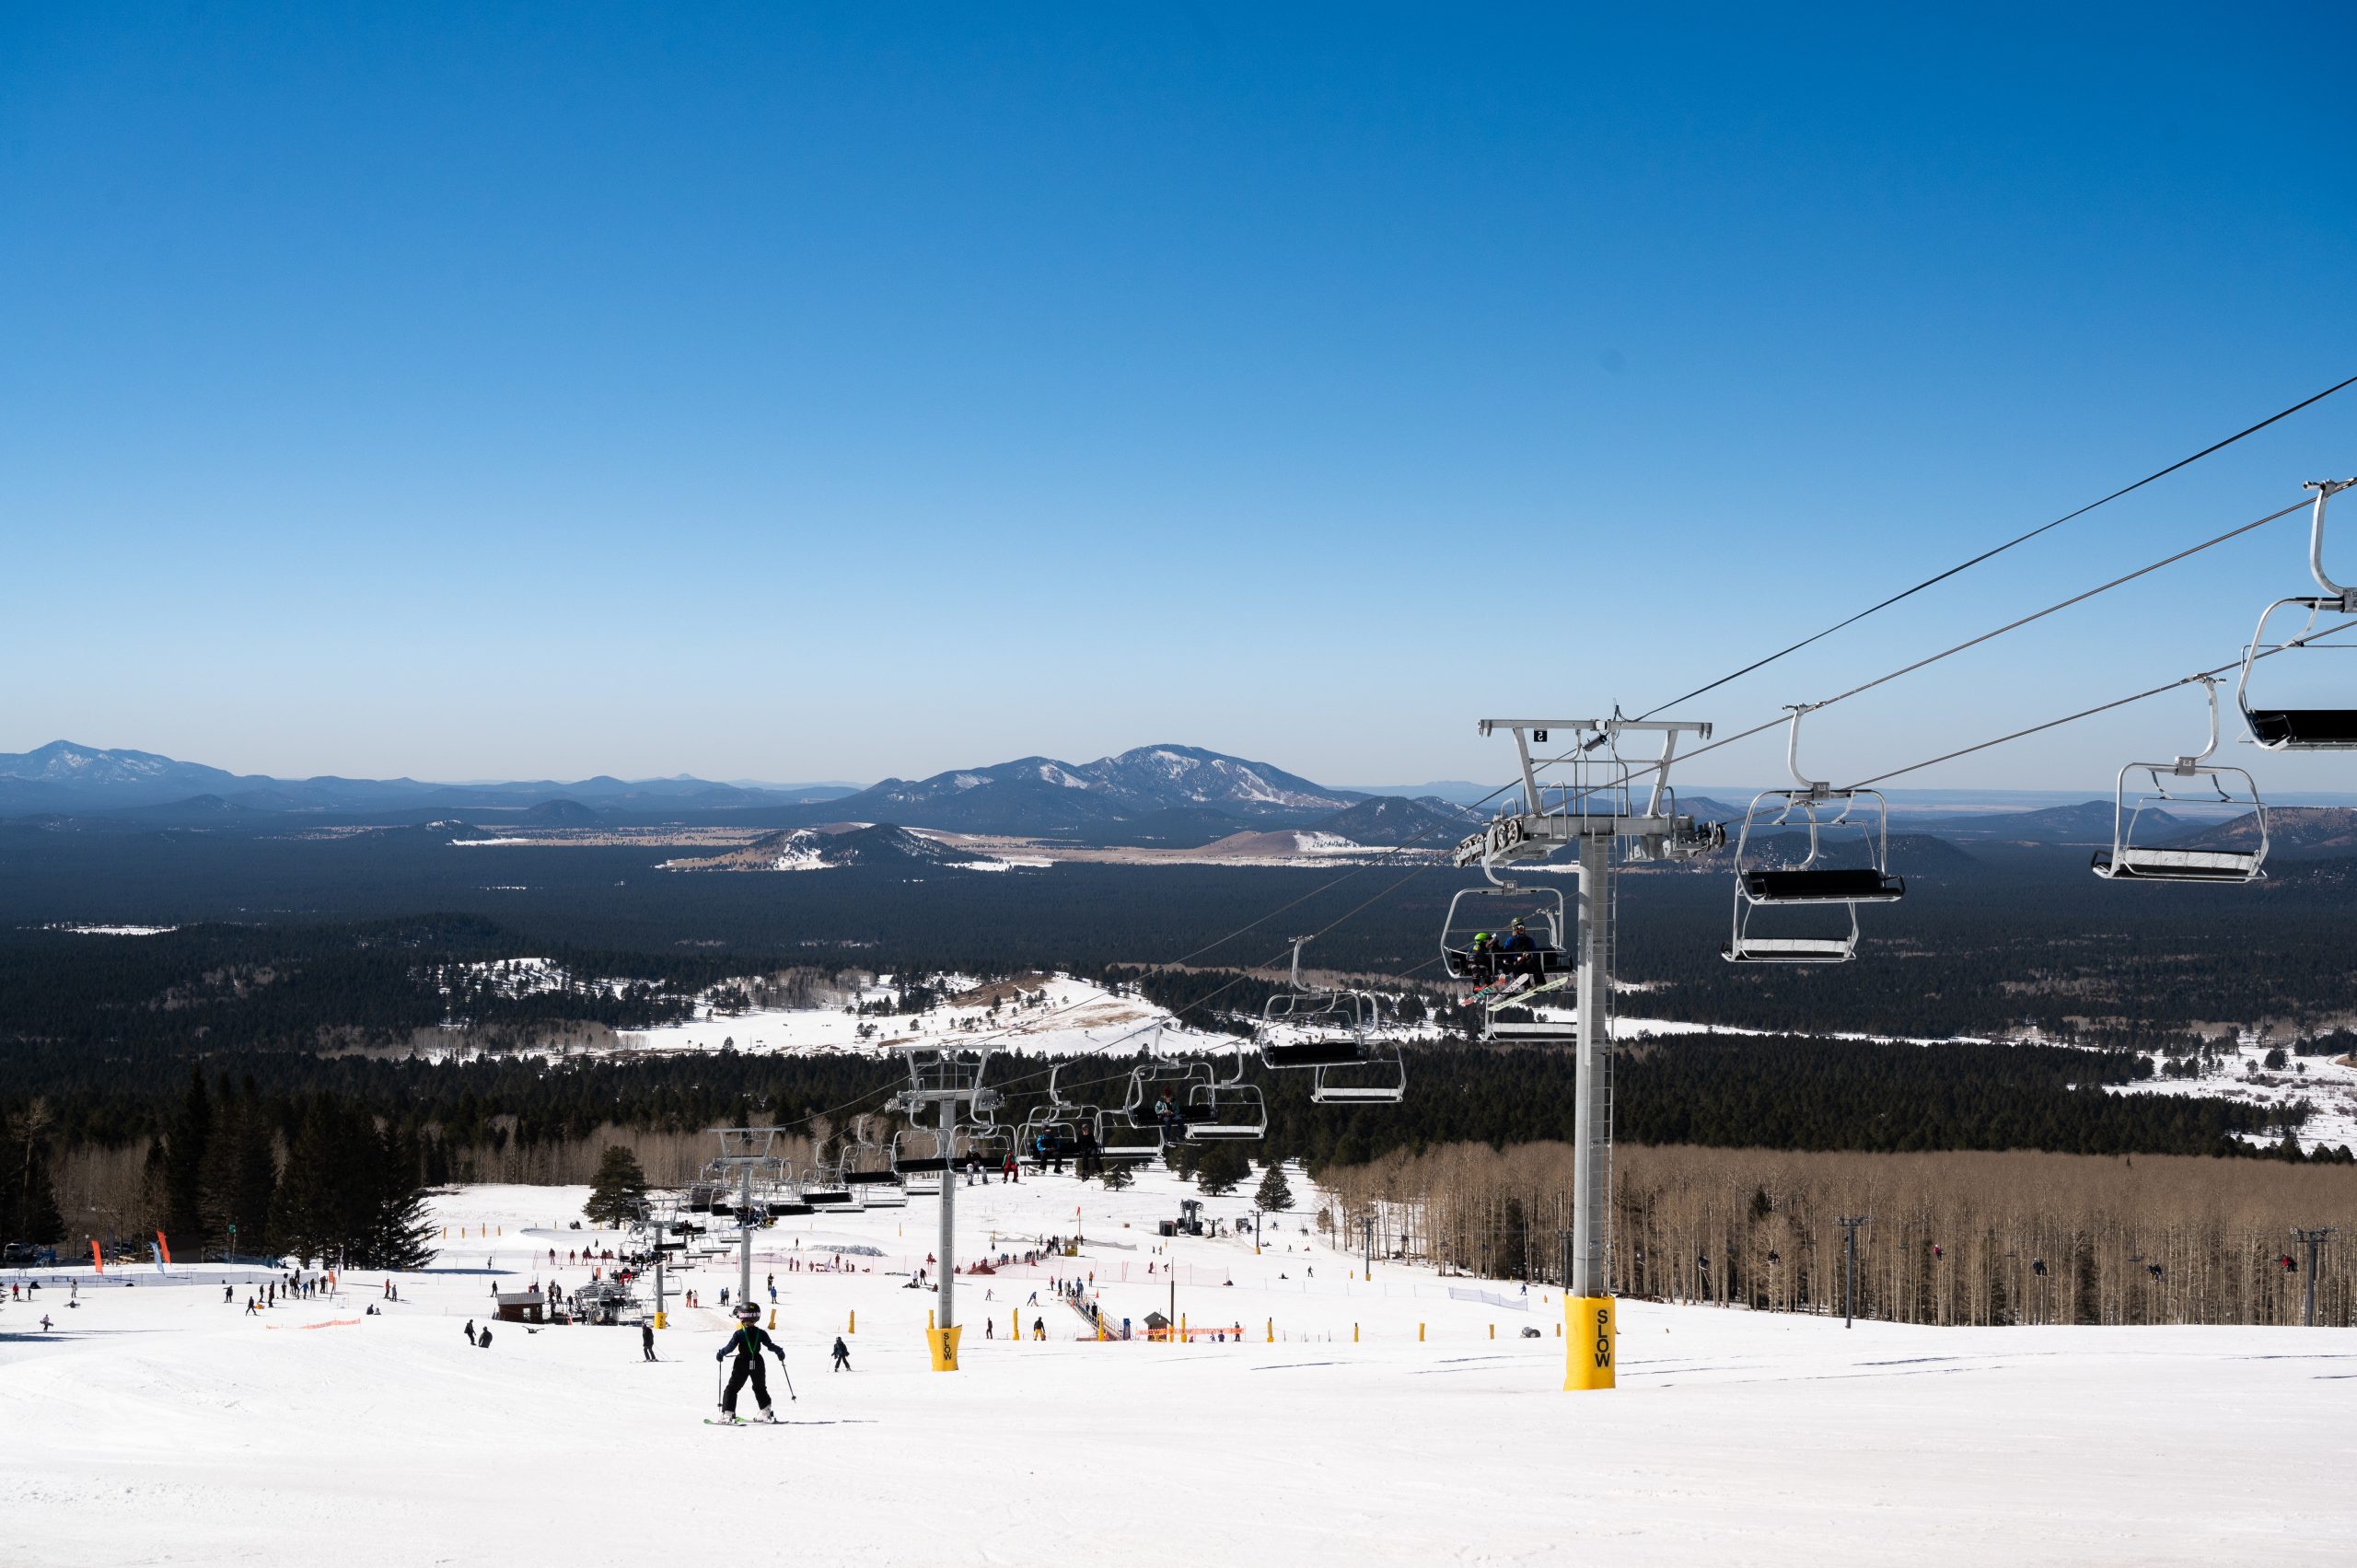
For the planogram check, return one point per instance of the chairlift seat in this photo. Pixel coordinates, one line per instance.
(2137, 864)
(1322, 1093)
(1860, 885)
(828, 1197)
(1789, 950)
(792, 1208)
(1331, 1051)
(2304, 729)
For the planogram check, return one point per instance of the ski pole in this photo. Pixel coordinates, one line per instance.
(789, 1378)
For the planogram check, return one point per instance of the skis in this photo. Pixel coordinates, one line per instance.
(1513, 988)
(1520, 997)
(1505, 987)
(741, 1420)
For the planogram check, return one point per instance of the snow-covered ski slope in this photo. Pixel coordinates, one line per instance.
(1069, 1017)
(159, 1426)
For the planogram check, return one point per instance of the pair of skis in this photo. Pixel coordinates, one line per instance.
(1513, 988)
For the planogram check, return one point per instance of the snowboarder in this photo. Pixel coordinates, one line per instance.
(646, 1340)
(748, 1343)
(842, 1354)
(482, 1339)
(470, 1331)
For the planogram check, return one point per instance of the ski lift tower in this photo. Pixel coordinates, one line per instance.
(946, 1078)
(1576, 794)
(744, 1150)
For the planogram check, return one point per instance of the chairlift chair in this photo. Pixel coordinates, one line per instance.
(868, 1168)
(1120, 1138)
(907, 1158)
(1051, 1132)
(826, 1188)
(1225, 1109)
(1544, 905)
(2304, 729)
(2188, 780)
(1822, 811)
(1333, 1034)
(1175, 1079)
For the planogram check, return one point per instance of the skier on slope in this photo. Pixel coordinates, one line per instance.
(747, 1343)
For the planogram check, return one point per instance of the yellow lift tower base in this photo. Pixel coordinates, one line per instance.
(943, 1343)
(1588, 1341)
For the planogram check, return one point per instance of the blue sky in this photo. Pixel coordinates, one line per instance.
(787, 393)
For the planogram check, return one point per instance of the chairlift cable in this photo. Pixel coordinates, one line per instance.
(2103, 707)
(1999, 550)
(1643, 769)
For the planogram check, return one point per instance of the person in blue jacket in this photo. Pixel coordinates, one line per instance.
(747, 1343)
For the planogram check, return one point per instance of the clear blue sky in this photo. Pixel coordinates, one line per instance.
(769, 392)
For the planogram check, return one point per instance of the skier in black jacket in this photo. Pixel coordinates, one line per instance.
(748, 1343)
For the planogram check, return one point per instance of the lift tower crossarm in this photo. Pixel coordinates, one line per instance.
(1597, 805)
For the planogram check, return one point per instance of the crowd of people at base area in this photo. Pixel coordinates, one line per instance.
(585, 1255)
(833, 1264)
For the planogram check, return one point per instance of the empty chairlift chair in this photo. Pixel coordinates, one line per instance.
(2193, 781)
(2304, 729)
(826, 1188)
(1335, 1035)
(1846, 864)
(918, 1159)
(867, 1170)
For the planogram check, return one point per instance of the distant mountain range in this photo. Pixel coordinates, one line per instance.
(1155, 796)
(1173, 795)
(66, 778)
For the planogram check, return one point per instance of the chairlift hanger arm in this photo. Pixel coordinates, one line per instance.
(2325, 490)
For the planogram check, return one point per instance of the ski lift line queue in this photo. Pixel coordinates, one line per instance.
(1641, 769)
(1999, 550)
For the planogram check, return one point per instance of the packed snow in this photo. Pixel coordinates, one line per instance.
(160, 1424)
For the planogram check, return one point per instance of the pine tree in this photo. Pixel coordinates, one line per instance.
(302, 1218)
(191, 1131)
(27, 1202)
(1274, 1194)
(618, 1192)
(1115, 1174)
(1222, 1170)
(399, 1235)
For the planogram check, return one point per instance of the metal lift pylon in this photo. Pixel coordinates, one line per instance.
(946, 1078)
(1581, 799)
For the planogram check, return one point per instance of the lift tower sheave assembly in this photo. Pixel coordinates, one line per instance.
(1581, 797)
